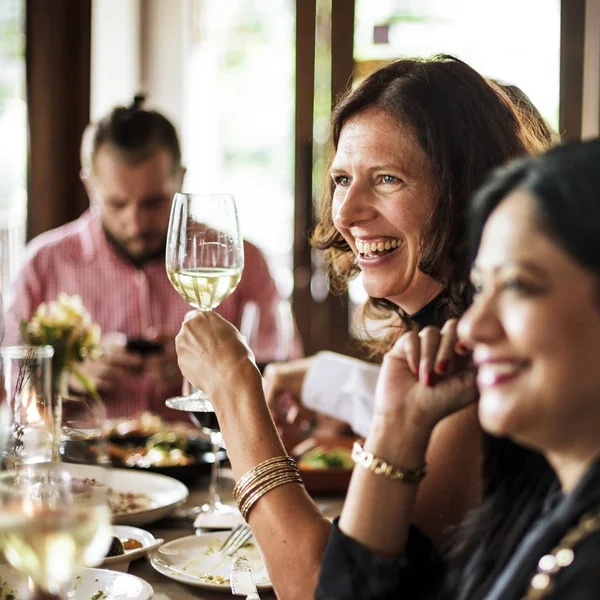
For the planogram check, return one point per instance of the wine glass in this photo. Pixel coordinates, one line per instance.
(269, 331)
(209, 423)
(58, 524)
(54, 517)
(204, 260)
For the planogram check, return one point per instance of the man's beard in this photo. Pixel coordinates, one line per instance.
(138, 260)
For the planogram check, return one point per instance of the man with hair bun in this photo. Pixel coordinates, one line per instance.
(113, 256)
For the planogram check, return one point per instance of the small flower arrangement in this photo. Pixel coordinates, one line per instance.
(67, 326)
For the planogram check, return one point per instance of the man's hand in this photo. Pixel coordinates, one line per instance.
(115, 362)
(283, 383)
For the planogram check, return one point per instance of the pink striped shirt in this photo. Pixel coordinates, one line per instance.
(77, 259)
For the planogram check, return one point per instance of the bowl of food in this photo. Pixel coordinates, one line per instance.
(148, 443)
(128, 543)
(325, 464)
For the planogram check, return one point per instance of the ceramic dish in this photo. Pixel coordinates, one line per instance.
(195, 560)
(124, 532)
(329, 481)
(163, 493)
(91, 584)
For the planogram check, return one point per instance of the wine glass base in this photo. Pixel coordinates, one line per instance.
(218, 508)
(193, 403)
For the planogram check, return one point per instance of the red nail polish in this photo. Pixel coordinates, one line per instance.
(461, 348)
(442, 366)
(429, 379)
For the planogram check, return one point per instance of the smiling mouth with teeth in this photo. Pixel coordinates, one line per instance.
(380, 248)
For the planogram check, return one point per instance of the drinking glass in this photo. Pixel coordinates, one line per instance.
(57, 524)
(269, 331)
(204, 260)
(82, 433)
(209, 423)
(54, 517)
(26, 390)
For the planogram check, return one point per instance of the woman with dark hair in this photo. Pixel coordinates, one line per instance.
(410, 145)
(306, 382)
(534, 327)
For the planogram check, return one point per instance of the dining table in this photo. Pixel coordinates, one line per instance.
(175, 526)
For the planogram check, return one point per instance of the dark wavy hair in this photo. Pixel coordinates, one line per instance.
(133, 132)
(466, 125)
(565, 185)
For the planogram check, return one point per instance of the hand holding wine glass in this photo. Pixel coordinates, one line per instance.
(204, 259)
(213, 354)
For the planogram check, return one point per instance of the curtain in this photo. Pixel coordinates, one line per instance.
(57, 54)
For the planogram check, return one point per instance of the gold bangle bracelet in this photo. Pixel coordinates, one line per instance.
(249, 502)
(267, 486)
(367, 460)
(262, 469)
(260, 482)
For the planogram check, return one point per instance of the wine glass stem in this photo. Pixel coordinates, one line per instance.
(213, 488)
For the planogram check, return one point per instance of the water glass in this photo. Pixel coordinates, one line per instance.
(26, 394)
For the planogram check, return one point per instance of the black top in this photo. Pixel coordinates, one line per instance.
(350, 572)
(430, 314)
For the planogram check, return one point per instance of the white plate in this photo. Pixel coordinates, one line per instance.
(165, 492)
(121, 562)
(116, 586)
(188, 559)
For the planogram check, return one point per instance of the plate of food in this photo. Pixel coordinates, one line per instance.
(136, 497)
(129, 543)
(196, 560)
(325, 464)
(149, 443)
(92, 584)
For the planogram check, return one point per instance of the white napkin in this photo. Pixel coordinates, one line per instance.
(218, 520)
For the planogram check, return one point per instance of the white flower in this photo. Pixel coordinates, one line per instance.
(64, 323)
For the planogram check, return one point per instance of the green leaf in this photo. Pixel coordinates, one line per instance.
(88, 384)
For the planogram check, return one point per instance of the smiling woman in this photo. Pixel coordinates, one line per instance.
(384, 198)
(535, 320)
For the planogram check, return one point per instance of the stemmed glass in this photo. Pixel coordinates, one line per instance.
(58, 524)
(269, 331)
(204, 259)
(54, 518)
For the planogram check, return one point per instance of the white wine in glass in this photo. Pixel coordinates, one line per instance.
(59, 524)
(205, 288)
(204, 260)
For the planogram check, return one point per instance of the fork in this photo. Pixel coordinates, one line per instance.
(239, 535)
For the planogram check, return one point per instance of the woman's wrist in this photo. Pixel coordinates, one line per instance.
(243, 379)
(402, 443)
(246, 423)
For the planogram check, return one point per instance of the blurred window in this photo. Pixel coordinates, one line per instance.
(13, 136)
(514, 41)
(238, 126)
